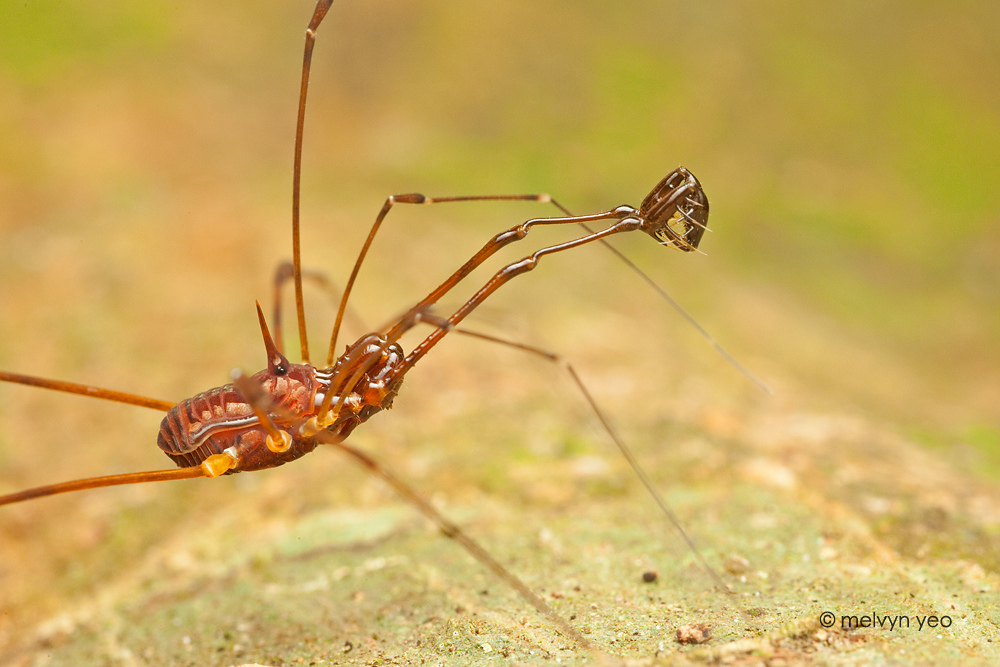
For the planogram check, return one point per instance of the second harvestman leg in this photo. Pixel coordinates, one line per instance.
(286, 272)
(413, 198)
(565, 364)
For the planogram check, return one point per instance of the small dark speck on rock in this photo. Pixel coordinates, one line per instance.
(650, 576)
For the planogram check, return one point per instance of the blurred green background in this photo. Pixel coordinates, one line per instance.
(851, 154)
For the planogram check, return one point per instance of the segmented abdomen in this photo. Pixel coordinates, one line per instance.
(215, 420)
(204, 424)
(220, 418)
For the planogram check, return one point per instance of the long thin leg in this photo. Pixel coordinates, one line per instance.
(624, 223)
(213, 466)
(286, 272)
(565, 364)
(322, 7)
(98, 482)
(87, 390)
(495, 244)
(412, 198)
(639, 471)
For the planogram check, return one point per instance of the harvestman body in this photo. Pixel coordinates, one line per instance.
(288, 409)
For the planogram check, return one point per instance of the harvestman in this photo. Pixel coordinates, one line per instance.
(287, 410)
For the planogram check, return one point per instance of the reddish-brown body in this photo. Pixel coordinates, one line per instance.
(222, 418)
